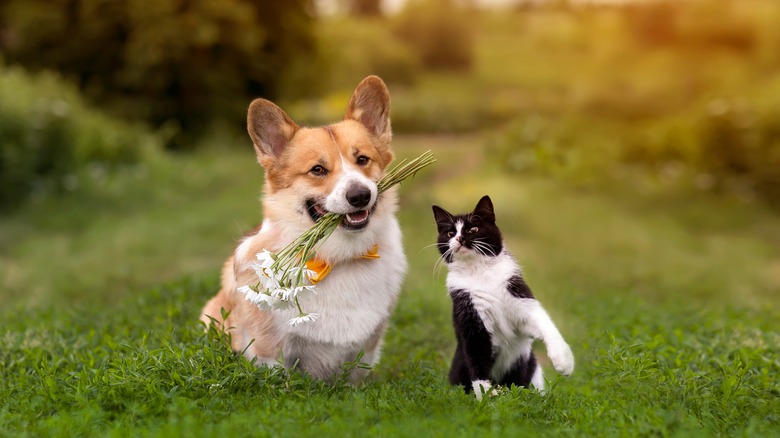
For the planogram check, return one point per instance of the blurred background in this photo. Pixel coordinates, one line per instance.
(124, 160)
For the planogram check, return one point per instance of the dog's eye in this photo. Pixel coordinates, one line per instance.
(450, 233)
(362, 160)
(473, 230)
(318, 170)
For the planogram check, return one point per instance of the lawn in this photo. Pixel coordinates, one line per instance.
(667, 299)
(590, 144)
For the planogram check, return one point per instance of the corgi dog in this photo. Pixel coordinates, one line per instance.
(308, 173)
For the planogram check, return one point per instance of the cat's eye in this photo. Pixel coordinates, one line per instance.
(362, 160)
(473, 230)
(450, 233)
(318, 170)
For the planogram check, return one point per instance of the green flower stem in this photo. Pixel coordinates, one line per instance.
(303, 248)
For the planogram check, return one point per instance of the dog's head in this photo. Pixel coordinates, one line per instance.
(335, 168)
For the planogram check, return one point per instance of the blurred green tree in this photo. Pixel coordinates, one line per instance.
(52, 141)
(189, 61)
(441, 32)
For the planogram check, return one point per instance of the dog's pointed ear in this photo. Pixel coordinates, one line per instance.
(270, 127)
(370, 105)
(484, 209)
(442, 216)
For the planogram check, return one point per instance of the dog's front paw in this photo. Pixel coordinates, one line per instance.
(562, 359)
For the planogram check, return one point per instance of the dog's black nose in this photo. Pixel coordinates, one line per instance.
(358, 196)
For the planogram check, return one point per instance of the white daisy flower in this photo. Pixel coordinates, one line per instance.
(302, 318)
(286, 293)
(264, 301)
(266, 258)
(296, 271)
(282, 305)
(309, 274)
(246, 290)
(301, 289)
(277, 293)
(261, 300)
(268, 279)
(259, 269)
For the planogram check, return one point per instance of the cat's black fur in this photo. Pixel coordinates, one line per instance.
(474, 355)
(476, 352)
(487, 237)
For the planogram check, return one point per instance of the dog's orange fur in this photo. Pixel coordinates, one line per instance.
(287, 173)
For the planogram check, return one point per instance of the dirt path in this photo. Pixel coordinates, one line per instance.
(455, 154)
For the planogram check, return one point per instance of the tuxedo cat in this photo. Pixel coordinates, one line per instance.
(496, 316)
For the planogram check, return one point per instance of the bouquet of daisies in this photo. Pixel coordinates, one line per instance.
(283, 276)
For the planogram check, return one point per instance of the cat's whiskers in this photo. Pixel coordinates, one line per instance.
(493, 253)
(429, 246)
(478, 248)
(482, 248)
(438, 265)
(440, 262)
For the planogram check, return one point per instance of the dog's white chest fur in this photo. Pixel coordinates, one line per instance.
(354, 302)
(356, 297)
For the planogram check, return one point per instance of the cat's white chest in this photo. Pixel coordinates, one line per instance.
(486, 282)
(503, 315)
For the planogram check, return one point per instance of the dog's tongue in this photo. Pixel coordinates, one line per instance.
(357, 216)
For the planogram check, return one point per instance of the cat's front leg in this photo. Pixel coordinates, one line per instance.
(478, 365)
(481, 387)
(540, 326)
(561, 357)
(475, 355)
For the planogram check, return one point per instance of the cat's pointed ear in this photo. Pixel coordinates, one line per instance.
(442, 216)
(484, 209)
(270, 127)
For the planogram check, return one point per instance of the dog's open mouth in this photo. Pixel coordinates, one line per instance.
(354, 221)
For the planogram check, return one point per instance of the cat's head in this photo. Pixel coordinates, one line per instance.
(468, 235)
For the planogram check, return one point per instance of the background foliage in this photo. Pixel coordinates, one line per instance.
(51, 140)
(678, 92)
(188, 61)
(693, 103)
(440, 33)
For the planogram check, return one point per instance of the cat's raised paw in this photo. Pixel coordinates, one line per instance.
(562, 359)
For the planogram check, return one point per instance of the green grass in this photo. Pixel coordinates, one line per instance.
(667, 294)
(148, 224)
(667, 299)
